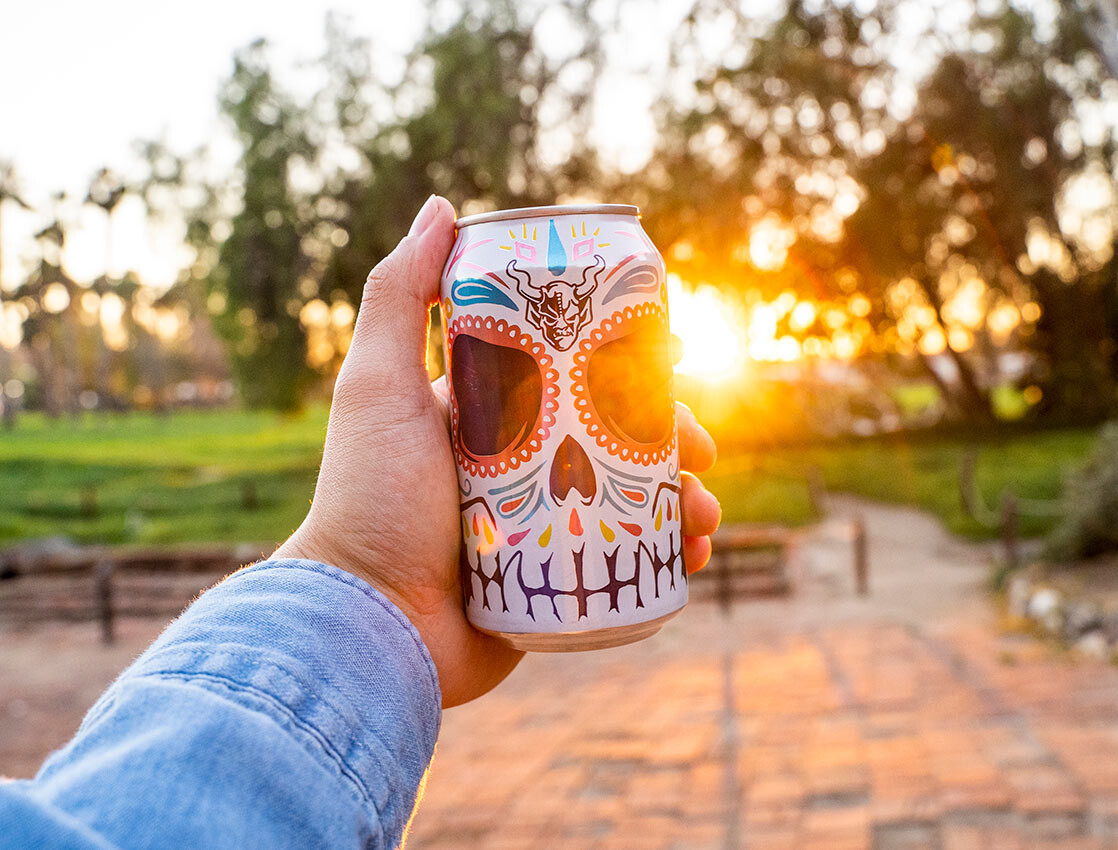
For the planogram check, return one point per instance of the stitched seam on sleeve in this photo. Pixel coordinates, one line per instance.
(322, 740)
(350, 580)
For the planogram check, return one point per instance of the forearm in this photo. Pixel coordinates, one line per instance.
(292, 705)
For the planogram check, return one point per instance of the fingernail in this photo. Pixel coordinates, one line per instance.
(424, 216)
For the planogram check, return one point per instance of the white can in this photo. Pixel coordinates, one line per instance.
(559, 368)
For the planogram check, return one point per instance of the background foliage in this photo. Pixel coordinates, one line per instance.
(911, 222)
(928, 190)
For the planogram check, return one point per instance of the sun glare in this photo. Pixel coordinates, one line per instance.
(769, 241)
(722, 334)
(711, 329)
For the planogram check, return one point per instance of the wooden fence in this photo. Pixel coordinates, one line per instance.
(103, 583)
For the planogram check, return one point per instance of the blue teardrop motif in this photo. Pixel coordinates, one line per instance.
(556, 254)
(477, 291)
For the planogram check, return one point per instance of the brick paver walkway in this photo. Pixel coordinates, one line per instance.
(901, 721)
(820, 722)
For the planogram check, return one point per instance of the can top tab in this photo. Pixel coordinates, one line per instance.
(554, 210)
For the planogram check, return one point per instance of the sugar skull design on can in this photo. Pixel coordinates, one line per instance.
(563, 427)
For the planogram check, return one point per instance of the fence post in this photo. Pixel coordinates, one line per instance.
(861, 557)
(249, 500)
(103, 593)
(967, 490)
(89, 500)
(1009, 529)
(725, 595)
(817, 491)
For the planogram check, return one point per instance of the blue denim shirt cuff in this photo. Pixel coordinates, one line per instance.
(330, 659)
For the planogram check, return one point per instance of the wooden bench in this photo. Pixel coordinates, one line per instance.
(753, 560)
(747, 561)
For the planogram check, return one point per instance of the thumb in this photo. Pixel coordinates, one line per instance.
(390, 336)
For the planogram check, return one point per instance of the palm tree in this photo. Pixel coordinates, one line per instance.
(106, 190)
(9, 191)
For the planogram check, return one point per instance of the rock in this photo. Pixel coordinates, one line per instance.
(1110, 627)
(38, 555)
(1081, 618)
(1017, 595)
(1044, 607)
(134, 522)
(1094, 645)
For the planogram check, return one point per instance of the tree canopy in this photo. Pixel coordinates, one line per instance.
(941, 198)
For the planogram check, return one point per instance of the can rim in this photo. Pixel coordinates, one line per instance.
(554, 209)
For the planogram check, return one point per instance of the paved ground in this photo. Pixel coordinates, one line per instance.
(905, 720)
(827, 721)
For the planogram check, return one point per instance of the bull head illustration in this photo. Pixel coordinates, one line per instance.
(559, 309)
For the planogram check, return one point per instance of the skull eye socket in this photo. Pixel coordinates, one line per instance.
(621, 379)
(630, 383)
(498, 391)
(503, 394)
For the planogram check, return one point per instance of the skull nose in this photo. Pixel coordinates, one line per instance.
(571, 469)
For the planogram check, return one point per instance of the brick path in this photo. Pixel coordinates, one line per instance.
(902, 721)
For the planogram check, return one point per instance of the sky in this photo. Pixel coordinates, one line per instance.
(80, 82)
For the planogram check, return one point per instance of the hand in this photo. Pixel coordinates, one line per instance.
(386, 504)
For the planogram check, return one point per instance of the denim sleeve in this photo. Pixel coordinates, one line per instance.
(290, 706)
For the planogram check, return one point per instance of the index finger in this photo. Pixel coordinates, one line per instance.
(697, 451)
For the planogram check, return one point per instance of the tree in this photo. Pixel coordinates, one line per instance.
(51, 330)
(9, 193)
(787, 102)
(806, 127)
(106, 191)
(257, 278)
(977, 183)
(754, 171)
(477, 98)
(297, 230)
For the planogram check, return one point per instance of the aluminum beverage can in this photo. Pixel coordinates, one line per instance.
(559, 373)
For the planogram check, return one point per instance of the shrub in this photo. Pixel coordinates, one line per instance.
(1089, 518)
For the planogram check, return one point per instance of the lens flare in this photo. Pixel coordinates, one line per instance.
(712, 330)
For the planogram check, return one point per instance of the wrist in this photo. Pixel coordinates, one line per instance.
(311, 542)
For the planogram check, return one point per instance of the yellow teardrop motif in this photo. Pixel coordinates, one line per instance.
(546, 536)
(659, 518)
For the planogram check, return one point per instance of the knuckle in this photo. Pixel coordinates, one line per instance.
(387, 296)
(370, 399)
(376, 282)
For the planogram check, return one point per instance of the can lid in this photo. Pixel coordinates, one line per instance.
(554, 210)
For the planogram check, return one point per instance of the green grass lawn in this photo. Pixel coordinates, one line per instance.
(182, 478)
(922, 471)
(159, 479)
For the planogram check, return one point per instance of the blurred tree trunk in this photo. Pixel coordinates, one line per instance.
(106, 191)
(1075, 342)
(262, 263)
(970, 397)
